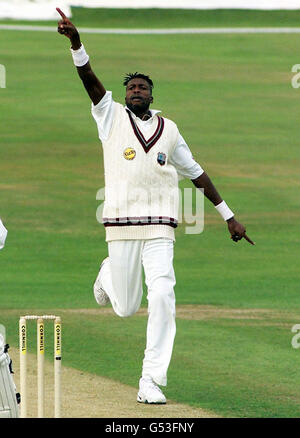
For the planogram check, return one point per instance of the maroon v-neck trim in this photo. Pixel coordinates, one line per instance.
(147, 144)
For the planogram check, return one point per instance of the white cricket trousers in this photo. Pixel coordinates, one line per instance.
(122, 281)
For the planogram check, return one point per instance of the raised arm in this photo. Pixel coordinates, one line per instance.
(90, 81)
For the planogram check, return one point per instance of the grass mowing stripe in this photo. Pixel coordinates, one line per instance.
(183, 31)
(129, 18)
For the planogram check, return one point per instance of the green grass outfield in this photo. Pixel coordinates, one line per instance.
(232, 99)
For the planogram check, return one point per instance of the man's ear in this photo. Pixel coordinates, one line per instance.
(151, 99)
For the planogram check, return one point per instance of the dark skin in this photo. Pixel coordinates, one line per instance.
(138, 99)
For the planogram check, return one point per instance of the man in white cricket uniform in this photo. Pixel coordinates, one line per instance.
(144, 154)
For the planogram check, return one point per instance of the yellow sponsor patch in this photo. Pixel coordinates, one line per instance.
(57, 341)
(41, 337)
(23, 339)
(129, 154)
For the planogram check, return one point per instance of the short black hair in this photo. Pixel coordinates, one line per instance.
(130, 76)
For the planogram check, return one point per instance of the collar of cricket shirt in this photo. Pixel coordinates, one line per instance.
(137, 119)
(146, 144)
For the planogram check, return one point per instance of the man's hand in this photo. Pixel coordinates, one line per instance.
(237, 231)
(67, 28)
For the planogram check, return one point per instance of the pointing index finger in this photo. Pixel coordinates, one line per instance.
(248, 239)
(61, 14)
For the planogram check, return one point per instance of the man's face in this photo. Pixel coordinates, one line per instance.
(138, 95)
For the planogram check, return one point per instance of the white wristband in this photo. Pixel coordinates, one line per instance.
(80, 57)
(224, 210)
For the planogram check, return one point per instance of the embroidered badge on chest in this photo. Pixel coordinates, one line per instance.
(129, 154)
(161, 158)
